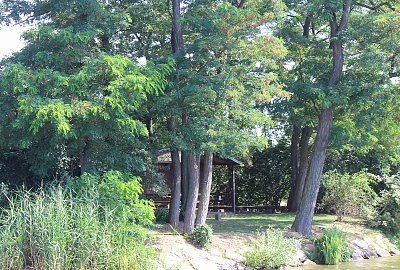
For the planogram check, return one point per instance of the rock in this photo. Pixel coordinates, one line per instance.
(301, 256)
(309, 248)
(309, 262)
(215, 252)
(230, 254)
(383, 252)
(202, 264)
(357, 255)
(370, 253)
(361, 244)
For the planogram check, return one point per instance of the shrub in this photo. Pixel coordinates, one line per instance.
(65, 228)
(331, 247)
(348, 194)
(201, 235)
(162, 215)
(388, 215)
(271, 249)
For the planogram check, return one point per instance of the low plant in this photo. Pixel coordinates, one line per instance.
(162, 215)
(201, 235)
(271, 249)
(331, 247)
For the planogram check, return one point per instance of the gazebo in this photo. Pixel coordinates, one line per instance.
(223, 199)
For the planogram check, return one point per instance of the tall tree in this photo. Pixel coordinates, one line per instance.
(78, 103)
(178, 49)
(331, 86)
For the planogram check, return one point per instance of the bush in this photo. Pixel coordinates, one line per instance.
(201, 235)
(271, 249)
(332, 248)
(348, 194)
(162, 215)
(73, 228)
(388, 216)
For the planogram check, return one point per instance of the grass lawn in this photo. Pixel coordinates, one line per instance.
(250, 223)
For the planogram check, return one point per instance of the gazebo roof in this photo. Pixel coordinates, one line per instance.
(164, 157)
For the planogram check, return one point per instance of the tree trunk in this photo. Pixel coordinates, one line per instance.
(294, 156)
(185, 180)
(185, 169)
(306, 133)
(177, 32)
(84, 160)
(193, 194)
(205, 188)
(149, 126)
(303, 220)
(177, 48)
(176, 179)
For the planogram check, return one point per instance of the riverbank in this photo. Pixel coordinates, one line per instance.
(232, 234)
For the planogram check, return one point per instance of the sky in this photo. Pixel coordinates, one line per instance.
(10, 39)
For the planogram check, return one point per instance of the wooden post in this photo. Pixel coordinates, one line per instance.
(232, 184)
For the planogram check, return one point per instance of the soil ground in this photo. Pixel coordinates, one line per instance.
(230, 238)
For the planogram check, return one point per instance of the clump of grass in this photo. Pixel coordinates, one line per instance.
(271, 249)
(331, 247)
(55, 228)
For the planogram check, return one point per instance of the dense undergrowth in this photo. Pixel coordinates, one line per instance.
(87, 223)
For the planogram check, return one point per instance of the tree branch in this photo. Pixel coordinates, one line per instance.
(376, 7)
(241, 3)
(345, 16)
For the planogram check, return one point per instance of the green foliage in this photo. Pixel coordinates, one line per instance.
(271, 249)
(348, 194)
(220, 81)
(73, 228)
(201, 235)
(162, 215)
(388, 215)
(267, 180)
(331, 247)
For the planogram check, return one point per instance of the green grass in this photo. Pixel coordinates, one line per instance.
(251, 223)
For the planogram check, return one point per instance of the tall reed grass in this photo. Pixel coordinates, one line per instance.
(331, 247)
(55, 229)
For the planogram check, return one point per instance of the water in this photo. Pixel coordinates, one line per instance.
(371, 264)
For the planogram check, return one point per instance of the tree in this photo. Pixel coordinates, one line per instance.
(332, 86)
(223, 81)
(266, 180)
(78, 103)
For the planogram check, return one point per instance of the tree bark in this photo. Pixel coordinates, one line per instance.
(205, 188)
(149, 126)
(177, 48)
(194, 175)
(176, 179)
(303, 220)
(84, 157)
(185, 169)
(177, 32)
(306, 133)
(294, 156)
(185, 181)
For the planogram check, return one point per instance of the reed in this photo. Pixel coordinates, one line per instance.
(53, 229)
